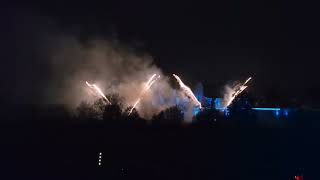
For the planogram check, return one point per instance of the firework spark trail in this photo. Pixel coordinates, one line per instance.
(188, 91)
(150, 80)
(237, 92)
(96, 88)
(148, 85)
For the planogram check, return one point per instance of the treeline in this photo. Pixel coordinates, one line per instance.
(99, 113)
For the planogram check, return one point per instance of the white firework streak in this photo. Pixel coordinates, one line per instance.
(98, 90)
(188, 91)
(148, 85)
(236, 93)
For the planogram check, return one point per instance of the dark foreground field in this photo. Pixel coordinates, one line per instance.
(195, 152)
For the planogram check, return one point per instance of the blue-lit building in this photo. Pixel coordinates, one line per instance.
(242, 110)
(239, 108)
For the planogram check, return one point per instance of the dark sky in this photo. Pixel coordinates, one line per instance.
(276, 42)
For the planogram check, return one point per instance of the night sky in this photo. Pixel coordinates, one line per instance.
(214, 43)
(275, 42)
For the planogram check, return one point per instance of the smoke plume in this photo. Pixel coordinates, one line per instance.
(111, 66)
(53, 66)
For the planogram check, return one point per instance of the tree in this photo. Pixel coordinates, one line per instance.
(88, 111)
(206, 116)
(134, 115)
(171, 115)
(112, 112)
(133, 118)
(115, 99)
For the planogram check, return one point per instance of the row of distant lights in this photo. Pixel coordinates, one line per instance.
(276, 110)
(123, 171)
(100, 158)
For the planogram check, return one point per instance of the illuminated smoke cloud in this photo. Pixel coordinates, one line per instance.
(113, 68)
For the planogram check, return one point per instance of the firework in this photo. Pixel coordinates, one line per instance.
(98, 90)
(188, 91)
(148, 85)
(236, 91)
